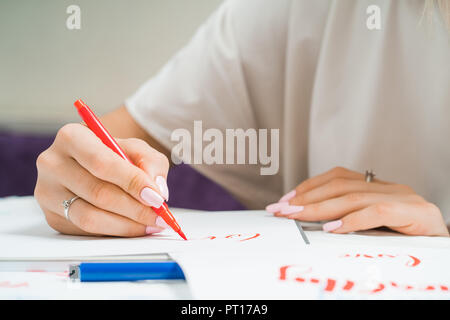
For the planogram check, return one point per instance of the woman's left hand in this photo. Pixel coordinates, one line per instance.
(344, 197)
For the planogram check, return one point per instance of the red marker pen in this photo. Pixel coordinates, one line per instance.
(96, 126)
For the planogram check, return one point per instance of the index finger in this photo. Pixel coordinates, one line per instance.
(89, 151)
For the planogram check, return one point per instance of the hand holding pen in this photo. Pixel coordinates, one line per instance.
(116, 196)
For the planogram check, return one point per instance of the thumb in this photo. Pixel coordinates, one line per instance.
(150, 160)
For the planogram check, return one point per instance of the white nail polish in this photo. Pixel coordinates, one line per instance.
(162, 185)
(161, 223)
(151, 198)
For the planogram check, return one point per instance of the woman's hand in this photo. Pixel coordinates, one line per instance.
(352, 204)
(114, 195)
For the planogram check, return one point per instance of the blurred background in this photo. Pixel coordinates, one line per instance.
(45, 67)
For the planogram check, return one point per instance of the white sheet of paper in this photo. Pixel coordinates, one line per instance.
(226, 258)
(319, 272)
(56, 286)
(25, 233)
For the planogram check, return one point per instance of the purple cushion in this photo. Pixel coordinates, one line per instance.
(188, 188)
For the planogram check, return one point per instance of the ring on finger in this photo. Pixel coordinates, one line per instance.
(66, 204)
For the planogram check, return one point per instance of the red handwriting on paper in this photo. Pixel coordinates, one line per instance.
(410, 262)
(7, 284)
(241, 237)
(60, 274)
(296, 273)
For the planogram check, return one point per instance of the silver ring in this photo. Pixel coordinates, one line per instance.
(66, 204)
(370, 175)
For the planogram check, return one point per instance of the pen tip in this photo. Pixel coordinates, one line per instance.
(182, 235)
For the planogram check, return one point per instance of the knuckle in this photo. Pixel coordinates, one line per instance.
(66, 132)
(302, 186)
(428, 207)
(164, 161)
(98, 163)
(314, 208)
(51, 220)
(38, 194)
(135, 183)
(338, 171)
(298, 200)
(383, 208)
(354, 197)
(100, 195)
(43, 160)
(404, 188)
(143, 215)
(415, 198)
(138, 142)
(337, 184)
(159, 160)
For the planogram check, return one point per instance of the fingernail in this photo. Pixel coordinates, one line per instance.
(161, 223)
(291, 209)
(151, 198)
(288, 196)
(332, 225)
(162, 185)
(275, 207)
(150, 230)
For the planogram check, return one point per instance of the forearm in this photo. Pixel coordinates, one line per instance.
(122, 125)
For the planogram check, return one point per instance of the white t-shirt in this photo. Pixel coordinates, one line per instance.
(340, 94)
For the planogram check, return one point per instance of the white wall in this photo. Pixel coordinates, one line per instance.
(44, 67)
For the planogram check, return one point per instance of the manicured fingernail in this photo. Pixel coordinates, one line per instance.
(151, 198)
(332, 225)
(161, 223)
(291, 209)
(162, 185)
(276, 207)
(150, 230)
(288, 196)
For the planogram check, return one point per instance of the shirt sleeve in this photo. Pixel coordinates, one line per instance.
(205, 82)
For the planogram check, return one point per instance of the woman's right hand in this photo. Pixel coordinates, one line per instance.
(115, 196)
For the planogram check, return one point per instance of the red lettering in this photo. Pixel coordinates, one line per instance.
(414, 262)
(330, 284)
(232, 235)
(379, 288)
(7, 284)
(36, 270)
(283, 271)
(348, 285)
(253, 237)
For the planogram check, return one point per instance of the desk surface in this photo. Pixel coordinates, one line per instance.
(48, 283)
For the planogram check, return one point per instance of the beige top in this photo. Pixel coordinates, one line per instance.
(339, 93)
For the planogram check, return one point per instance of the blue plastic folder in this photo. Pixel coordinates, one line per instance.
(125, 271)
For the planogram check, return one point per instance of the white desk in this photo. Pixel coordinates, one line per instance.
(54, 284)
